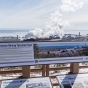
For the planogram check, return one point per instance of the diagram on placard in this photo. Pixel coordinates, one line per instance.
(27, 83)
(73, 81)
(58, 50)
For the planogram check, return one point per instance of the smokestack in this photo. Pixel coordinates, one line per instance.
(17, 36)
(79, 34)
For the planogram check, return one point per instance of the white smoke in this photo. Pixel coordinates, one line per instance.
(70, 6)
(54, 27)
(56, 24)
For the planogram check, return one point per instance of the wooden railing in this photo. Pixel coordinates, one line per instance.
(45, 69)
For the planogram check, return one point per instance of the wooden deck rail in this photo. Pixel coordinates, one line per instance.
(45, 68)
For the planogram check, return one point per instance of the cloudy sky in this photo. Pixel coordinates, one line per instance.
(31, 14)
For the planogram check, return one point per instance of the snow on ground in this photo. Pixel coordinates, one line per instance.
(56, 87)
(84, 70)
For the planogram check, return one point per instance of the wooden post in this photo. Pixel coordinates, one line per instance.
(43, 70)
(47, 70)
(74, 68)
(26, 71)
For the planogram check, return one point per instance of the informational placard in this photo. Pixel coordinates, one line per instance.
(27, 83)
(73, 81)
(32, 53)
(14, 54)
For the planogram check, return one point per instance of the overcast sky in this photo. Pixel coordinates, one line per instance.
(36, 13)
(32, 14)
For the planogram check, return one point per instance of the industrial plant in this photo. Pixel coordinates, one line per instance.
(66, 37)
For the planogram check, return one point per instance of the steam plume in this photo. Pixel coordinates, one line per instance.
(56, 24)
(54, 27)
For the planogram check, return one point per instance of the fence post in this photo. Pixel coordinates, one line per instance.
(26, 71)
(43, 70)
(74, 68)
(47, 70)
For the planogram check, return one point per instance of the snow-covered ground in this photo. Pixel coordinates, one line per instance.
(56, 87)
